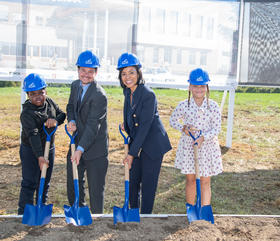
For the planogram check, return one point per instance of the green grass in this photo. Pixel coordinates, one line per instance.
(249, 183)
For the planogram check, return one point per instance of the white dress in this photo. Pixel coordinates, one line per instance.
(208, 120)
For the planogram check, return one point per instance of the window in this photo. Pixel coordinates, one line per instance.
(198, 26)
(172, 22)
(36, 50)
(39, 20)
(179, 56)
(192, 57)
(167, 55)
(186, 24)
(158, 21)
(210, 28)
(156, 55)
(145, 19)
(203, 58)
(44, 51)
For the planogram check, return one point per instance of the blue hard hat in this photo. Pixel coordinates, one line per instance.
(33, 82)
(198, 77)
(88, 59)
(128, 59)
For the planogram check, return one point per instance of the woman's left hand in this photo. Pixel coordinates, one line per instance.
(128, 159)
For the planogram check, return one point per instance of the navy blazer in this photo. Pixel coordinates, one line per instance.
(147, 132)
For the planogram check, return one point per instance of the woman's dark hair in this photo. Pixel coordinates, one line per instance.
(139, 73)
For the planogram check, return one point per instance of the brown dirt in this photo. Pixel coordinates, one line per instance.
(171, 228)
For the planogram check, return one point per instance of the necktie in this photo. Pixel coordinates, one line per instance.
(80, 92)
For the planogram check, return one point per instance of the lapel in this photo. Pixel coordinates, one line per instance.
(137, 96)
(88, 94)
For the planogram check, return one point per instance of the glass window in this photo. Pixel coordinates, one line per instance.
(210, 28)
(186, 24)
(179, 56)
(44, 51)
(158, 21)
(172, 22)
(156, 55)
(36, 50)
(198, 26)
(203, 58)
(192, 57)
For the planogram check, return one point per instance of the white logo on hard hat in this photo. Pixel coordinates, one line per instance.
(125, 61)
(200, 79)
(88, 61)
(32, 85)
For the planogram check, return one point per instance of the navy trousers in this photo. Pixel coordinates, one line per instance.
(31, 175)
(96, 170)
(143, 180)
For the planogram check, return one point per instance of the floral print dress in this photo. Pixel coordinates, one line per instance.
(206, 118)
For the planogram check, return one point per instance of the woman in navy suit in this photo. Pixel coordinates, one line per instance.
(148, 138)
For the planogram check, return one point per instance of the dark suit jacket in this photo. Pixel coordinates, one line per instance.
(147, 131)
(91, 120)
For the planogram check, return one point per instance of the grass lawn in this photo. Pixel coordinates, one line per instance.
(249, 184)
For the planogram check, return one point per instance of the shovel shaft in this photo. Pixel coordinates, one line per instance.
(196, 164)
(126, 169)
(74, 164)
(46, 157)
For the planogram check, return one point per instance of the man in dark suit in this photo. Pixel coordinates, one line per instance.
(87, 115)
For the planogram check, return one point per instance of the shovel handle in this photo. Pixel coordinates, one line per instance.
(126, 140)
(195, 152)
(47, 150)
(126, 169)
(73, 148)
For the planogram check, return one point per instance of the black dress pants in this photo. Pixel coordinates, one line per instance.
(96, 170)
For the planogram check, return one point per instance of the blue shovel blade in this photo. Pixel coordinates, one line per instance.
(195, 213)
(207, 214)
(192, 213)
(123, 215)
(35, 215)
(78, 216)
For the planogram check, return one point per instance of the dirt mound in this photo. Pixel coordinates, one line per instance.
(169, 228)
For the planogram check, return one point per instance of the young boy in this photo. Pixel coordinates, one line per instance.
(37, 111)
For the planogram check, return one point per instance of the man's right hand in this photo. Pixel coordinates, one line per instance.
(77, 156)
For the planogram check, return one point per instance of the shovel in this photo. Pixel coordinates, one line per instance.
(76, 215)
(196, 212)
(125, 214)
(41, 213)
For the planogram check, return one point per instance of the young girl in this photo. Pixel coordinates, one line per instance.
(198, 113)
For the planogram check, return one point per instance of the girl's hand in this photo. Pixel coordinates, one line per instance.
(128, 159)
(199, 141)
(122, 127)
(42, 161)
(189, 128)
(51, 123)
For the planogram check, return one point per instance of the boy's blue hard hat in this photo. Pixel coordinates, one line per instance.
(198, 77)
(128, 59)
(33, 82)
(88, 59)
